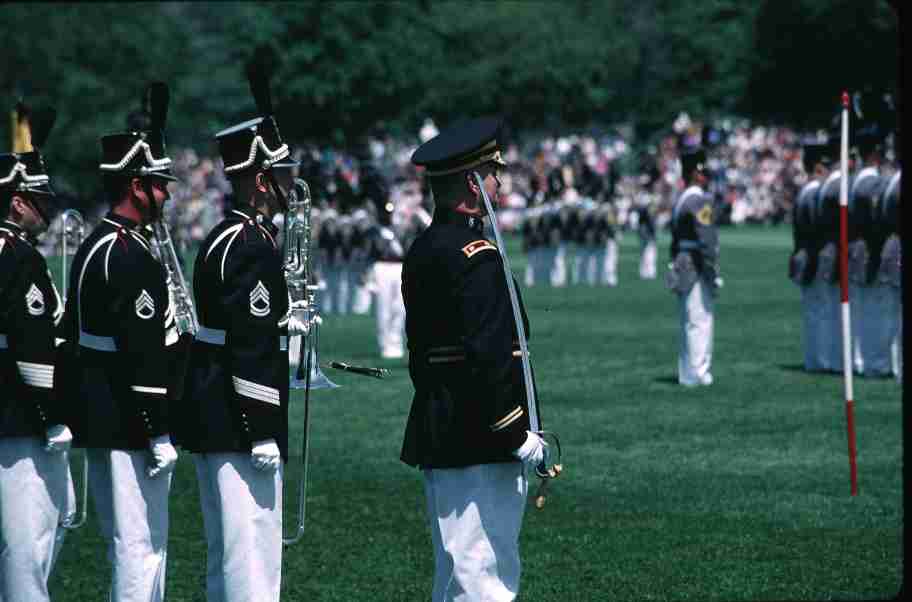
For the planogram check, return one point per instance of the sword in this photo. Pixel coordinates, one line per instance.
(550, 467)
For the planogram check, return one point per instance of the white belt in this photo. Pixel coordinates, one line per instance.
(96, 342)
(216, 336)
(3, 343)
(213, 336)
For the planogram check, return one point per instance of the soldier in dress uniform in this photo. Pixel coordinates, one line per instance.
(468, 425)
(328, 240)
(529, 244)
(645, 208)
(361, 287)
(36, 492)
(883, 339)
(608, 247)
(694, 272)
(828, 269)
(551, 237)
(385, 253)
(803, 261)
(117, 367)
(235, 410)
(587, 252)
(864, 194)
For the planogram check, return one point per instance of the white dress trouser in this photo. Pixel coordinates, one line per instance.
(696, 335)
(897, 346)
(132, 511)
(559, 266)
(390, 308)
(821, 320)
(609, 271)
(808, 327)
(541, 266)
(648, 257)
(36, 495)
(858, 314)
(880, 328)
(361, 295)
(242, 515)
(475, 515)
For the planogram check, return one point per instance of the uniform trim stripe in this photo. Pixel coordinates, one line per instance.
(220, 237)
(256, 391)
(507, 420)
(36, 375)
(104, 239)
(156, 390)
(227, 248)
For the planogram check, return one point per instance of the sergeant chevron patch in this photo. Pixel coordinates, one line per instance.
(34, 301)
(259, 300)
(478, 246)
(704, 215)
(145, 306)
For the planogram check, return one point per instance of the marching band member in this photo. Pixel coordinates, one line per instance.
(36, 492)
(235, 408)
(694, 273)
(116, 361)
(467, 426)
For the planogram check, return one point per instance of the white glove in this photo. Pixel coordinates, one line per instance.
(296, 322)
(163, 454)
(532, 452)
(719, 282)
(59, 438)
(265, 455)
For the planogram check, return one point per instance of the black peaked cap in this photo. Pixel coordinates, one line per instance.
(461, 146)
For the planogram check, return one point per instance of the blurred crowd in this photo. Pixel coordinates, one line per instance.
(755, 173)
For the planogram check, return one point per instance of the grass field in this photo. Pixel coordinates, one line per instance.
(739, 491)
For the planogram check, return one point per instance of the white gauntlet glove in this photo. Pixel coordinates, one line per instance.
(265, 455)
(532, 452)
(163, 454)
(59, 438)
(296, 323)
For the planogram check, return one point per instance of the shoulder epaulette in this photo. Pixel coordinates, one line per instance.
(478, 246)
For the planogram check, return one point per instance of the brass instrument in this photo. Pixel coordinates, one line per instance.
(185, 320)
(72, 226)
(303, 315)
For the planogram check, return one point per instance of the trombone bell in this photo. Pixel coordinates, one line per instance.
(296, 360)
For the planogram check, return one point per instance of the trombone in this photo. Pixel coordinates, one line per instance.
(72, 226)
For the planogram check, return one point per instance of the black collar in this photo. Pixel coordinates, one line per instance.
(14, 228)
(248, 212)
(448, 216)
(120, 220)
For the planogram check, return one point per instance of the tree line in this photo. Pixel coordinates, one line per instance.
(345, 68)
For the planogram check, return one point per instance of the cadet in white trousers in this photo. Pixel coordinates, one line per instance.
(694, 272)
(235, 408)
(119, 377)
(828, 272)
(468, 425)
(36, 492)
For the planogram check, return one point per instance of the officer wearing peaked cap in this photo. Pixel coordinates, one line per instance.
(235, 406)
(468, 425)
(36, 492)
(694, 272)
(116, 377)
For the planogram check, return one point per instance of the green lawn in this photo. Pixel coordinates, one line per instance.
(739, 491)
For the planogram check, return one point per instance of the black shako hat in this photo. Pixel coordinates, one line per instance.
(461, 147)
(25, 171)
(694, 159)
(256, 144)
(140, 151)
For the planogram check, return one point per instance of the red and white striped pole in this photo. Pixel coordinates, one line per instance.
(844, 285)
